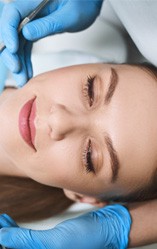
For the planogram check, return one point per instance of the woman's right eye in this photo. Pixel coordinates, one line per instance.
(88, 90)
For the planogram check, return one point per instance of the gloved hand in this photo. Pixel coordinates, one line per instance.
(3, 69)
(107, 227)
(3, 75)
(57, 16)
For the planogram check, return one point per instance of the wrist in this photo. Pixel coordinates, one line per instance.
(119, 222)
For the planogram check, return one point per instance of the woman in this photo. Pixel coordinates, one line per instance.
(91, 132)
(86, 115)
(89, 149)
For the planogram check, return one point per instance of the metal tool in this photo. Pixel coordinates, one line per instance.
(27, 19)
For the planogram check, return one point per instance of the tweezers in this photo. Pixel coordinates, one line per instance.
(27, 19)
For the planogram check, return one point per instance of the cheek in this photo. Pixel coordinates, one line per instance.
(58, 89)
(55, 166)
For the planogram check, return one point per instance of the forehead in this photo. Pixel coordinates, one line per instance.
(133, 122)
(73, 70)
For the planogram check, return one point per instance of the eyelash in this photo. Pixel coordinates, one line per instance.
(88, 90)
(89, 95)
(87, 158)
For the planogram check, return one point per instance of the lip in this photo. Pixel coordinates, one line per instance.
(26, 122)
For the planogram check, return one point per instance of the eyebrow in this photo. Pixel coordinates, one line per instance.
(112, 86)
(115, 165)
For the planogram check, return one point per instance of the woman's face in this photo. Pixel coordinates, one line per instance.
(95, 128)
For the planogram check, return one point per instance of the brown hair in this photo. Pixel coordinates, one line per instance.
(26, 200)
(146, 193)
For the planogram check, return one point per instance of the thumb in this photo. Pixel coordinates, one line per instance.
(42, 27)
(57, 22)
(19, 238)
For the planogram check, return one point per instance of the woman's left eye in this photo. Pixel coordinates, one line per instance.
(88, 90)
(87, 158)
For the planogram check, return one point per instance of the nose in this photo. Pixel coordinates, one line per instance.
(63, 122)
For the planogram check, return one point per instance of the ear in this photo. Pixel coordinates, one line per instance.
(77, 197)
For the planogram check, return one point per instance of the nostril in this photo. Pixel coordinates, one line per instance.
(52, 109)
(57, 137)
(59, 120)
(50, 131)
(60, 137)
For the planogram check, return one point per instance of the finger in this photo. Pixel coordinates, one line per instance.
(7, 221)
(41, 28)
(16, 11)
(27, 56)
(12, 61)
(18, 238)
(9, 26)
(3, 75)
(21, 77)
(51, 24)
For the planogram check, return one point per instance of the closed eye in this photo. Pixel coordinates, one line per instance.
(88, 90)
(87, 158)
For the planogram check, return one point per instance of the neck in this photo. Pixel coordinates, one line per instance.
(7, 167)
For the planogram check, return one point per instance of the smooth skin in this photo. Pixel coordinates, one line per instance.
(65, 122)
(141, 94)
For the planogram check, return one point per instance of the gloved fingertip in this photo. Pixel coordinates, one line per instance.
(28, 33)
(11, 44)
(14, 63)
(30, 72)
(11, 61)
(3, 75)
(11, 40)
(13, 48)
(15, 68)
(20, 81)
(29, 68)
(20, 85)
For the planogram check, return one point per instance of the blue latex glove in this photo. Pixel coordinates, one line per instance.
(3, 69)
(57, 16)
(107, 227)
(3, 75)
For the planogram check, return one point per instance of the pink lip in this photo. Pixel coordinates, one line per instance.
(26, 122)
